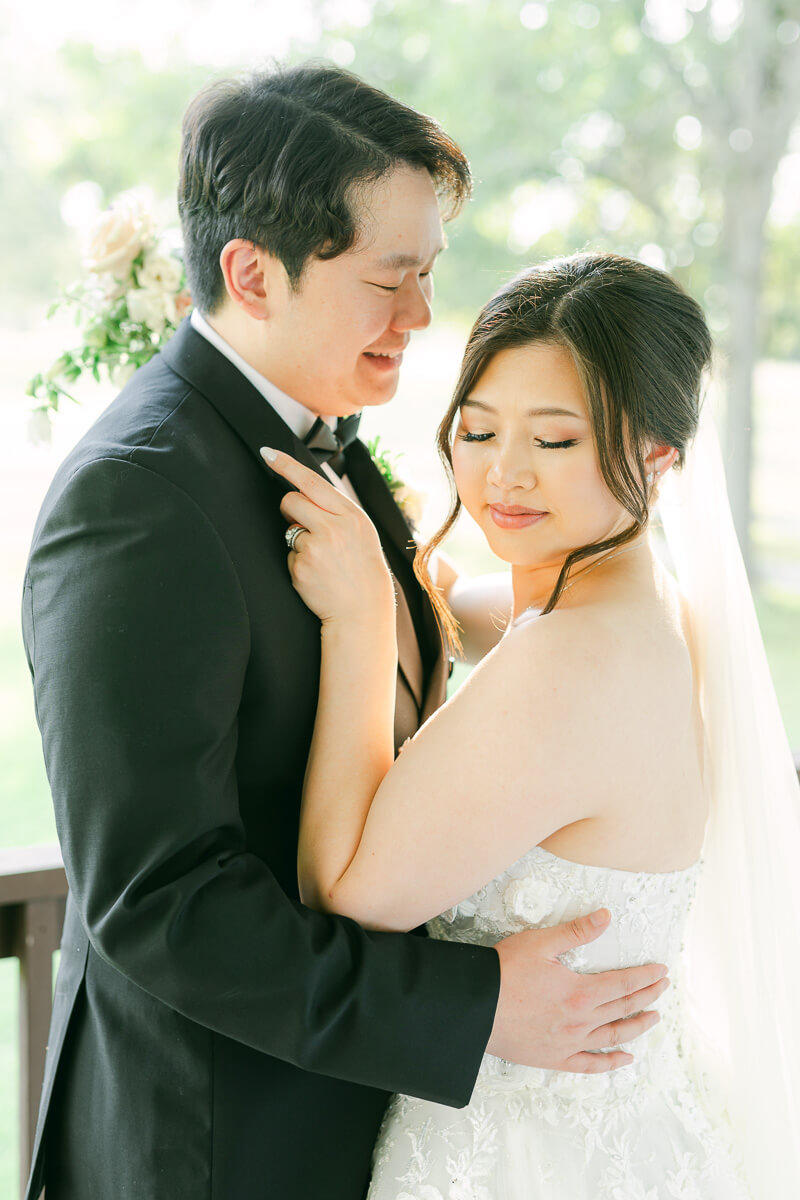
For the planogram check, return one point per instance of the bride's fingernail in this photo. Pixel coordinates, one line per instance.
(268, 454)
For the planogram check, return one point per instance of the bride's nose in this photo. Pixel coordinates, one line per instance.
(511, 466)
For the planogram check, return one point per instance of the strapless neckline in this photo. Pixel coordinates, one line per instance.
(571, 862)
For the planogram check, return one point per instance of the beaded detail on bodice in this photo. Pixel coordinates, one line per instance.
(648, 915)
(643, 1132)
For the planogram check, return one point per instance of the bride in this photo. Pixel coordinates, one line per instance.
(602, 755)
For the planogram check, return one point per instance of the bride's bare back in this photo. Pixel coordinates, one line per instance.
(654, 805)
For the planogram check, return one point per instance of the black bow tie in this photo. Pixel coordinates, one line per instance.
(328, 446)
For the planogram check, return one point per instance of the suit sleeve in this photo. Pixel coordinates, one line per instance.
(138, 637)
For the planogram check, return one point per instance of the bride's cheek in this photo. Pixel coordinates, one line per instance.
(471, 497)
(464, 477)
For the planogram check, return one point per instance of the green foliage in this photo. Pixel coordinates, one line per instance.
(386, 462)
(127, 306)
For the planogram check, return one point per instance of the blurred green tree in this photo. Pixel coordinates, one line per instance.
(652, 129)
(111, 121)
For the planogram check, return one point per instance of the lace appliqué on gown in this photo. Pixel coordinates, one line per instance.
(644, 1132)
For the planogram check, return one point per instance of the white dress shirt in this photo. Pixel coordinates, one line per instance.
(292, 413)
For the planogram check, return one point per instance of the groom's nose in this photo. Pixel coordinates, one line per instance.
(412, 309)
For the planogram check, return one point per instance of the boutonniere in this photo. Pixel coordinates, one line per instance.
(410, 500)
(129, 302)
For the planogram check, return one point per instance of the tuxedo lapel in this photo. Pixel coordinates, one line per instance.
(249, 414)
(398, 544)
(436, 691)
(377, 498)
(374, 493)
(240, 404)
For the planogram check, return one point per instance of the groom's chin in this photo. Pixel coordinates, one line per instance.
(372, 397)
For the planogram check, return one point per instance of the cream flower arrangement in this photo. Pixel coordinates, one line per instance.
(129, 302)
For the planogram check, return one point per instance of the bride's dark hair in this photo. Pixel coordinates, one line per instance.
(640, 345)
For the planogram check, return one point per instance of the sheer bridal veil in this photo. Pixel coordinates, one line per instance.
(743, 942)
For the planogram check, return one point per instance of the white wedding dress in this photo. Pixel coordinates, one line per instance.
(657, 1129)
(643, 1132)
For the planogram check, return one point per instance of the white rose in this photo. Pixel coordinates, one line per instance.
(147, 306)
(411, 502)
(160, 271)
(121, 232)
(528, 900)
(40, 431)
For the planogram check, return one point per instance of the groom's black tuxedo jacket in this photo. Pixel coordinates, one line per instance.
(211, 1037)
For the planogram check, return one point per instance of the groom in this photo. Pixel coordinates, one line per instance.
(212, 1037)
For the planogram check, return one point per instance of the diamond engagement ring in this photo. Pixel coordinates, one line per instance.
(292, 534)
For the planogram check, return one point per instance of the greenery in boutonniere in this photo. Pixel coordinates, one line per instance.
(130, 301)
(409, 500)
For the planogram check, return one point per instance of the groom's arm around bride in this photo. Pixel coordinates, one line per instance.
(211, 1036)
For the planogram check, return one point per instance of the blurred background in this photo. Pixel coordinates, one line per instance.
(667, 130)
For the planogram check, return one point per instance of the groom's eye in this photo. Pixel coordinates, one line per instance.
(394, 287)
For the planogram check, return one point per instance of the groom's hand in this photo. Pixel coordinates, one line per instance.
(549, 1016)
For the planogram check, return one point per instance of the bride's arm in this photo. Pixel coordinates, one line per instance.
(492, 774)
(351, 751)
(339, 570)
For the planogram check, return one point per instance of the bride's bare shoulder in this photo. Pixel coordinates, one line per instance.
(607, 643)
(570, 646)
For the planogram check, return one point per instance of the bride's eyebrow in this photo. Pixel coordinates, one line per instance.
(543, 411)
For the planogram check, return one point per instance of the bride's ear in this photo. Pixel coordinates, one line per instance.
(658, 461)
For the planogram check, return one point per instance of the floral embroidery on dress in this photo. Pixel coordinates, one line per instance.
(644, 1132)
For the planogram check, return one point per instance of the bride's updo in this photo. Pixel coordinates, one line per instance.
(640, 345)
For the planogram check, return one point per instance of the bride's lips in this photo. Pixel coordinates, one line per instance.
(515, 516)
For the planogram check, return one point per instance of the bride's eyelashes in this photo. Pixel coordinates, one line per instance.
(541, 443)
(474, 437)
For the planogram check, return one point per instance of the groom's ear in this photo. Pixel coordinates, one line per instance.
(246, 269)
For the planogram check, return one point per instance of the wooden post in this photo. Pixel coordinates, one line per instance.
(38, 934)
(33, 889)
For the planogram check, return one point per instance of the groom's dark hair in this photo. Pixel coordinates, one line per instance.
(276, 157)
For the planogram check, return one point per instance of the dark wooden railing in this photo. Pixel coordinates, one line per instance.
(33, 889)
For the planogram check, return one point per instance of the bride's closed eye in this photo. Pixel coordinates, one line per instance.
(541, 443)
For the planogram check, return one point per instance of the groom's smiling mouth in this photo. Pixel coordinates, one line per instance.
(385, 360)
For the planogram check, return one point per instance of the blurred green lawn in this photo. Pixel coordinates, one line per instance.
(408, 426)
